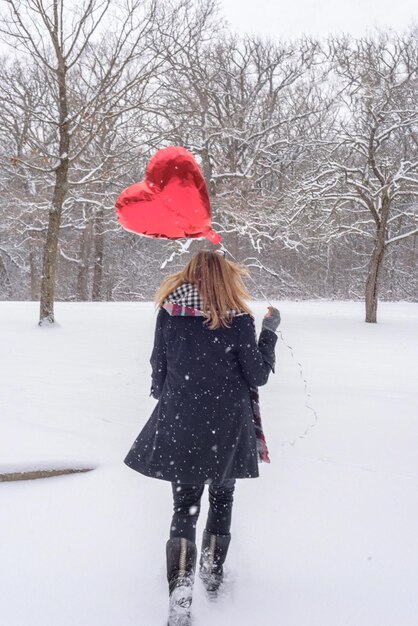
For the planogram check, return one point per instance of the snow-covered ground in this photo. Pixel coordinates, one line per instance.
(327, 536)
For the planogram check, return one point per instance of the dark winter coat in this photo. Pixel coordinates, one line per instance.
(202, 428)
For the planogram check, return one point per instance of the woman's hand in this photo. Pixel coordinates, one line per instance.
(271, 319)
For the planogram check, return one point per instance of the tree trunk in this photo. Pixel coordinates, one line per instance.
(98, 254)
(83, 270)
(5, 284)
(373, 280)
(376, 264)
(207, 173)
(49, 264)
(34, 269)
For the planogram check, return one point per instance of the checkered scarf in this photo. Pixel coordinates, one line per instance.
(186, 301)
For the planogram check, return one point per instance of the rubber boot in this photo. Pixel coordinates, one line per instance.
(181, 565)
(212, 558)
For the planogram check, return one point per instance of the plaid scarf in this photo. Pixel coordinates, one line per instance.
(186, 301)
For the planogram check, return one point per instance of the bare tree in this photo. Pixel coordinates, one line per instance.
(281, 130)
(367, 180)
(23, 189)
(234, 102)
(87, 58)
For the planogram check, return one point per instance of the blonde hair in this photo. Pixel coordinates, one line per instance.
(219, 282)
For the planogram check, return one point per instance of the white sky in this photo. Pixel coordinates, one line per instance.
(291, 18)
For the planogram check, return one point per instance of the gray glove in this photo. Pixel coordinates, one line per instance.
(271, 320)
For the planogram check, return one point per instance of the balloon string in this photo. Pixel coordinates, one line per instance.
(299, 364)
(223, 247)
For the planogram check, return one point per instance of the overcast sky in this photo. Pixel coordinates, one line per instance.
(291, 18)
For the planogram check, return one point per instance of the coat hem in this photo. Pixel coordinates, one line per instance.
(155, 473)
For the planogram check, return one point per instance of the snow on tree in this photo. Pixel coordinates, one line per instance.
(307, 147)
(366, 179)
(86, 58)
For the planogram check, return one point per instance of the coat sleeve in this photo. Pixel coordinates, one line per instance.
(158, 357)
(257, 359)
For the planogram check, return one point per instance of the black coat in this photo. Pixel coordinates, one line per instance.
(202, 428)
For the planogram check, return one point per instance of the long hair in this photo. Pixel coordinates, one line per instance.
(219, 282)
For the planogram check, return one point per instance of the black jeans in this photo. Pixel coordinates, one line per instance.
(187, 508)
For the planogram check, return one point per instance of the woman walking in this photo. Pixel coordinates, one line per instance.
(206, 363)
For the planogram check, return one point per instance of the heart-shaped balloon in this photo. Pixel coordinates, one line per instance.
(171, 202)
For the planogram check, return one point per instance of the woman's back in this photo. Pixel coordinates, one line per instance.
(198, 357)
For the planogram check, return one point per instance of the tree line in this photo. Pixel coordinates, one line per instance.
(308, 148)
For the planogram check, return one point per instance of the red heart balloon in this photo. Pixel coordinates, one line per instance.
(171, 202)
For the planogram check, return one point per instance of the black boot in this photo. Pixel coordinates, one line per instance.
(181, 565)
(212, 558)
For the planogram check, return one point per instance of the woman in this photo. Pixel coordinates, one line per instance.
(205, 362)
